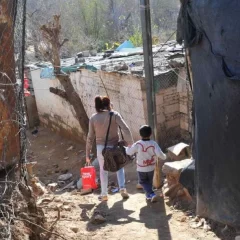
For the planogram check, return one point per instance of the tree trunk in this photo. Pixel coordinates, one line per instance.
(51, 33)
(74, 99)
(9, 138)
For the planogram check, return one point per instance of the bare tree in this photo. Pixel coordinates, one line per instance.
(51, 33)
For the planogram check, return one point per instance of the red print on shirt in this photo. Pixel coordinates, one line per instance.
(148, 162)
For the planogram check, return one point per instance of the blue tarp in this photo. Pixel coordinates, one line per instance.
(48, 72)
(126, 44)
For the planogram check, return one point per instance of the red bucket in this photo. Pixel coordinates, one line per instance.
(88, 174)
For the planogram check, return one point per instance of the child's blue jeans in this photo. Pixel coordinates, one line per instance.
(146, 180)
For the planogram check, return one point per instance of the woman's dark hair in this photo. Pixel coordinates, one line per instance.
(106, 103)
(98, 104)
(102, 103)
(145, 131)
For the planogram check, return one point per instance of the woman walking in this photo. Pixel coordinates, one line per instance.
(98, 126)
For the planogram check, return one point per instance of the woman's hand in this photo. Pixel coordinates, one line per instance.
(88, 160)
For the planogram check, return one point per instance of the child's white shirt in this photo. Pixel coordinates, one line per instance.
(147, 151)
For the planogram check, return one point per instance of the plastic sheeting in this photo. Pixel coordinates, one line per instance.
(126, 44)
(216, 69)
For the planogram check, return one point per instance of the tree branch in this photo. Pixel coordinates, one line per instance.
(59, 92)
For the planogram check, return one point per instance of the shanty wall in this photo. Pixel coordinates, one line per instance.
(128, 95)
(173, 109)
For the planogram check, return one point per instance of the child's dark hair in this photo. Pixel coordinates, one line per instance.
(102, 103)
(145, 131)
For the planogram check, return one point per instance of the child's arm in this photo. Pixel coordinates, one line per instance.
(159, 152)
(130, 150)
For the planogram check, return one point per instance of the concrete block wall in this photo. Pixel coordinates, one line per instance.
(54, 112)
(124, 91)
(128, 95)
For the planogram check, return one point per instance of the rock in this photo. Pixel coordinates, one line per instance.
(178, 152)
(66, 208)
(66, 158)
(52, 187)
(37, 187)
(65, 177)
(182, 219)
(64, 171)
(98, 219)
(75, 229)
(70, 148)
(173, 170)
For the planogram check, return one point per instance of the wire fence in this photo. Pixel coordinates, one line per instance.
(12, 116)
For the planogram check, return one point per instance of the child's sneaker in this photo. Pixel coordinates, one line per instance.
(152, 197)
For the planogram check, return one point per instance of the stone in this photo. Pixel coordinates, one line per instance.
(52, 187)
(66, 208)
(70, 148)
(75, 229)
(178, 152)
(65, 177)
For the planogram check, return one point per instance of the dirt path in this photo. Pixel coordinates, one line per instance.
(130, 219)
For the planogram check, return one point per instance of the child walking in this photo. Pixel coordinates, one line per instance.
(147, 150)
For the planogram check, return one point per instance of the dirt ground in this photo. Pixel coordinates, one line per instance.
(130, 219)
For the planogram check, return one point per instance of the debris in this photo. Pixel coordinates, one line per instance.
(37, 187)
(65, 177)
(70, 148)
(44, 201)
(206, 226)
(34, 132)
(86, 191)
(55, 165)
(79, 184)
(67, 186)
(66, 158)
(199, 224)
(178, 152)
(52, 187)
